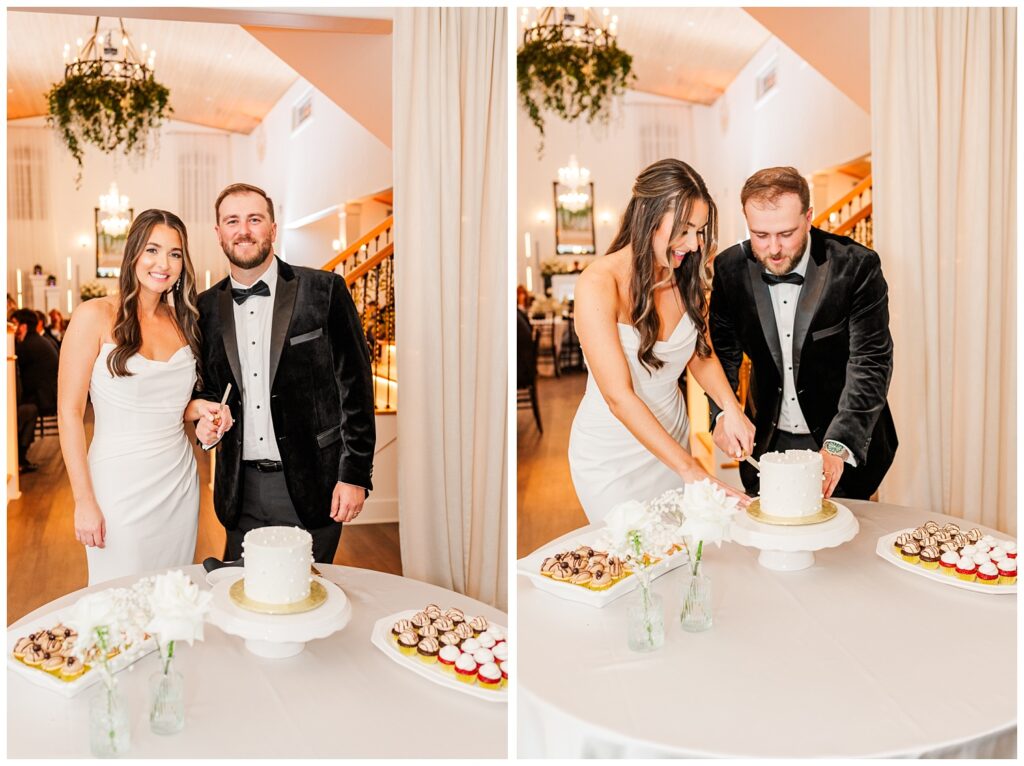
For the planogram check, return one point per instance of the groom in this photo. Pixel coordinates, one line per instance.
(811, 311)
(289, 341)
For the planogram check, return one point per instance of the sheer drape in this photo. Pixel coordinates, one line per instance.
(203, 169)
(943, 103)
(451, 262)
(31, 233)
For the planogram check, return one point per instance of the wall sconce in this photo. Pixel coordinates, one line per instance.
(543, 216)
(336, 245)
(606, 218)
(83, 241)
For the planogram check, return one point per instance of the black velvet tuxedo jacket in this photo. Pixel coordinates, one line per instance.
(321, 392)
(842, 351)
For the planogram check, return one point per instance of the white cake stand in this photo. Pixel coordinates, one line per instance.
(791, 548)
(279, 635)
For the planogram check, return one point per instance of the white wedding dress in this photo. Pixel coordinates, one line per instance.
(607, 463)
(142, 466)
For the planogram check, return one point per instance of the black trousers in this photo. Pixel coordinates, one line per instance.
(783, 440)
(27, 414)
(267, 504)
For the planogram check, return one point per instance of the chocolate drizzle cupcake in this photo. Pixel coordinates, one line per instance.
(930, 557)
(451, 638)
(463, 631)
(427, 649)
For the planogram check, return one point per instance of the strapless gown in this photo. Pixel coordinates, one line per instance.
(142, 466)
(607, 463)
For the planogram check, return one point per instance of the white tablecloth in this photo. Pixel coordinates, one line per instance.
(850, 658)
(341, 697)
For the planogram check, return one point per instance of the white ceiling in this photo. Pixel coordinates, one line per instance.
(218, 74)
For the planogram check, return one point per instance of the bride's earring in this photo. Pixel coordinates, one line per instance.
(177, 285)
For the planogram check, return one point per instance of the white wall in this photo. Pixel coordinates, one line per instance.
(805, 122)
(329, 160)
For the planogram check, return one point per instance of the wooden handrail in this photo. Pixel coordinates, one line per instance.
(854, 192)
(848, 225)
(366, 239)
(368, 265)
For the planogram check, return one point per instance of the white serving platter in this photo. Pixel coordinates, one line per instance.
(51, 682)
(886, 551)
(381, 638)
(530, 567)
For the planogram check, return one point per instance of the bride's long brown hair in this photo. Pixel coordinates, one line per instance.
(667, 186)
(127, 330)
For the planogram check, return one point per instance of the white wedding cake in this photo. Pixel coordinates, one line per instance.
(277, 564)
(791, 483)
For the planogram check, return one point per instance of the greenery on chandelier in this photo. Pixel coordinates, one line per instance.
(569, 79)
(107, 112)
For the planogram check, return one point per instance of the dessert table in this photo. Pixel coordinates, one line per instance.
(850, 658)
(340, 697)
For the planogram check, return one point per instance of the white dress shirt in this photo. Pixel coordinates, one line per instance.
(253, 323)
(784, 301)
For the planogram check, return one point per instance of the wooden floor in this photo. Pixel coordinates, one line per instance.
(546, 499)
(44, 560)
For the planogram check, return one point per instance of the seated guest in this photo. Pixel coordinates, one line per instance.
(56, 328)
(37, 363)
(27, 414)
(43, 330)
(526, 362)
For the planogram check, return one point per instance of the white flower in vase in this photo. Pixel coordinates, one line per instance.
(708, 512)
(178, 608)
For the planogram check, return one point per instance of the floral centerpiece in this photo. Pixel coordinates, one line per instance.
(707, 512)
(92, 290)
(641, 534)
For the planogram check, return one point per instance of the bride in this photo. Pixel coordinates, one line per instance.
(641, 317)
(137, 493)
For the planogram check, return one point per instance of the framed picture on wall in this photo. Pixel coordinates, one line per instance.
(111, 233)
(574, 220)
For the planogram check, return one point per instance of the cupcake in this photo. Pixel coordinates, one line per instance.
(428, 631)
(420, 620)
(997, 554)
(960, 540)
(455, 615)
(433, 611)
(902, 539)
(447, 656)
(489, 676)
(980, 558)
(983, 546)
(975, 535)
(486, 640)
(463, 631)
(503, 666)
(498, 633)
(966, 569)
(444, 624)
(988, 574)
(500, 651)
(1007, 569)
(988, 540)
(451, 638)
(478, 624)
(465, 669)
(407, 643)
(483, 656)
(930, 557)
(1011, 549)
(470, 645)
(919, 534)
(428, 649)
(969, 550)
(401, 627)
(911, 553)
(952, 528)
(944, 547)
(942, 536)
(71, 669)
(931, 527)
(947, 562)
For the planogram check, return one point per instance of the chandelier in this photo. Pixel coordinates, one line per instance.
(576, 178)
(114, 207)
(108, 96)
(570, 63)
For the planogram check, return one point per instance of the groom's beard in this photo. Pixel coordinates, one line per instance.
(241, 261)
(791, 260)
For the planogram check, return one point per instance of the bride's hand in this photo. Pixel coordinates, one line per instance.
(737, 432)
(90, 526)
(694, 472)
(215, 417)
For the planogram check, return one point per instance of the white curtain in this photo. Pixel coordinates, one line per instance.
(203, 169)
(944, 125)
(451, 265)
(31, 233)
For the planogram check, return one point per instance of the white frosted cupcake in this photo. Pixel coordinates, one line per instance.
(1007, 571)
(947, 563)
(470, 645)
(503, 666)
(487, 641)
(980, 558)
(465, 669)
(987, 574)
(983, 546)
(997, 554)
(500, 652)
(498, 633)
(447, 657)
(483, 656)
(1011, 548)
(489, 676)
(968, 550)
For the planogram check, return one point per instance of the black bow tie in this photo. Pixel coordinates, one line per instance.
(241, 295)
(775, 279)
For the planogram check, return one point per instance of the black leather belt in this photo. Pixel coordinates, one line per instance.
(264, 466)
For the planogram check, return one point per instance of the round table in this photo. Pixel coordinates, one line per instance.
(852, 657)
(341, 697)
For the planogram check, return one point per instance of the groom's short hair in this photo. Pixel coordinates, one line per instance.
(771, 183)
(242, 189)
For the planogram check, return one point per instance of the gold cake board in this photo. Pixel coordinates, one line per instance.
(828, 511)
(317, 596)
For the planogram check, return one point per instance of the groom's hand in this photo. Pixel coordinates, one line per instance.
(833, 469)
(206, 432)
(347, 501)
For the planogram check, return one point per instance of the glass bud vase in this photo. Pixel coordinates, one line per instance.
(645, 617)
(166, 697)
(696, 614)
(109, 725)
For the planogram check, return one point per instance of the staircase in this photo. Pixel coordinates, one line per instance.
(851, 215)
(368, 266)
